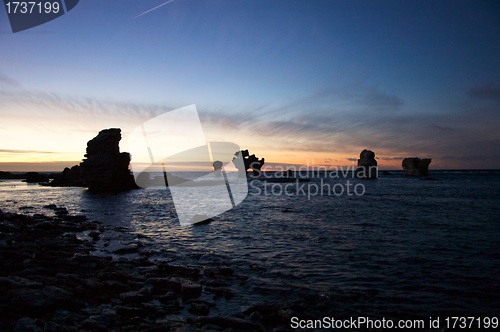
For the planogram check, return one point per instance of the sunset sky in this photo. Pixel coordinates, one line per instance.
(297, 82)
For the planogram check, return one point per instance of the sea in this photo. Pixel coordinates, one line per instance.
(395, 246)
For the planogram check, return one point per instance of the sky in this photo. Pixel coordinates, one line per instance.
(306, 82)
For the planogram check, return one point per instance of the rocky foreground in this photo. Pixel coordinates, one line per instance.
(49, 281)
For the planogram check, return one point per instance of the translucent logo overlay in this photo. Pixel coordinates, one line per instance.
(168, 149)
(25, 15)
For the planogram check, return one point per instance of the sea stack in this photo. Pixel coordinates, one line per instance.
(416, 167)
(367, 165)
(250, 162)
(105, 169)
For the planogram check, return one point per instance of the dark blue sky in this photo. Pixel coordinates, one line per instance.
(295, 81)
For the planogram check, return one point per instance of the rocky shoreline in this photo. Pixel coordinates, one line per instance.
(51, 282)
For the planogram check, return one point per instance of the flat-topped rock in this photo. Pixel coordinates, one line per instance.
(416, 167)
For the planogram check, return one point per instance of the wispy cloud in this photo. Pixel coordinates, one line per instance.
(328, 121)
(24, 151)
(229, 120)
(354, 98)
(7, 81)
(488, 91)
(76, 105)
(391, 158)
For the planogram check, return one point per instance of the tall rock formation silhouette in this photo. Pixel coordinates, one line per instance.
(367, 165)
(105, 169)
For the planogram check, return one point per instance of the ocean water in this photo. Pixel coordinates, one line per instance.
(397, 247)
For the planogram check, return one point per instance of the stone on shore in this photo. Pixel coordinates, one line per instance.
(228, 323)
(50, 282)
(38, 299)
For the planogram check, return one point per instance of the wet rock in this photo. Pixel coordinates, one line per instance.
(7, 227)
(41, 299)
(112, 286)
(130, 310)
(181, 271)
(48, 226)
(61, 211)
(92, 283)
(50, 326)
(93, 324)
(188, 328)
(199, 309)
(134, 297)
(133, 249)
(286, 314)
(164, 285)
(173, 318)
(217, 283)
(75, 218)
(242, 278)
(255, 316)
(18, 282)
(37, 217)
(210, 259)
(48, 275)
(218, 272)
(168, 297)
(94, 235)
(220, 292)
(171, 306)
(190, 289)
(263, 308)
(68, 276)
(26, 324)
(270, 320)
(297, 305)
(91, 225)
(228, 322)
